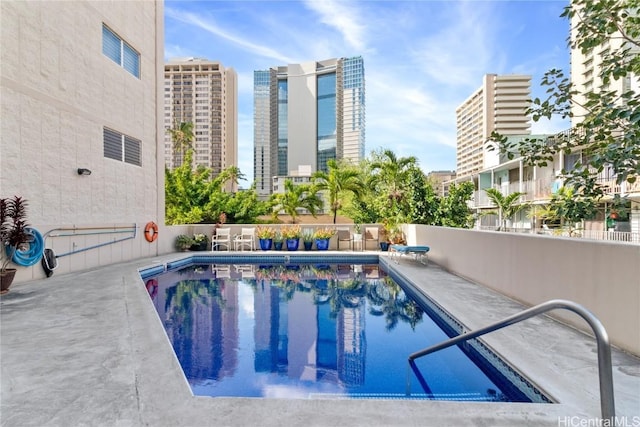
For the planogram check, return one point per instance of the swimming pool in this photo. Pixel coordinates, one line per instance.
(323, 329)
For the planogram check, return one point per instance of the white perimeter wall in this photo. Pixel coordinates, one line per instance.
(602, 276)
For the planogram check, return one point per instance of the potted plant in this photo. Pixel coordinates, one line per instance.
(13, 233)
(200, 242)
(278, 239)
(183, 242)
(322, 236)
(357, 235)
(396, 236)
(384, 238)
(292, 233)
(265, 235)
(307, 238)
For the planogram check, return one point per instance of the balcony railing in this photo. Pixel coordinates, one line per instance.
(614, 236)
(542, 189)
(611, 187)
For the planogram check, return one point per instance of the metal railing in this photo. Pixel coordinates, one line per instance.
(578, 233)
(88, 231)
(605, 372)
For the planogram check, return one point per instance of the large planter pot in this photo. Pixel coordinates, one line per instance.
(322, 244)
(277, 246)
(6, 279)
(384, 246)
(200, 246)
(308, 246)
(292, 244)
(265, 244)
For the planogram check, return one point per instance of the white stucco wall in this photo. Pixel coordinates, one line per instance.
(58, 92)
(602, 276)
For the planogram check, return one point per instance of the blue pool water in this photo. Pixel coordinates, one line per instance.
(315, 331)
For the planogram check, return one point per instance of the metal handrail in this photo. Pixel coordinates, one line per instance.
(605, 372)
(87, 231)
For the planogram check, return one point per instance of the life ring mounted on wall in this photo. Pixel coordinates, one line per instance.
(151, 232)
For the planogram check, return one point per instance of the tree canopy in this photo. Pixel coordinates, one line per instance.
(605, 119)
(383, 188)
(192, 196)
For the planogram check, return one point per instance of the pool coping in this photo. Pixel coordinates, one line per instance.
(124, 371)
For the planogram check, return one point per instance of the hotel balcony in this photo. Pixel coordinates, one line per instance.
(541, 190)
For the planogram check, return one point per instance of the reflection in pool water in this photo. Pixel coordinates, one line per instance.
(304, 331)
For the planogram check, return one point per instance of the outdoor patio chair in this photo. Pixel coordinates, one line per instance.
(221, 238)
(420, 253)
(371, 234)
(344, 236)
(245, 240)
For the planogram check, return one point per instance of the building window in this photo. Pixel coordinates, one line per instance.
(122, 147)
(120, 51)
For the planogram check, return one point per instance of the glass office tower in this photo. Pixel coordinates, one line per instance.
(304, 115)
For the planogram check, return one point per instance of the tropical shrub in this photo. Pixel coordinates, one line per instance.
(324, 233)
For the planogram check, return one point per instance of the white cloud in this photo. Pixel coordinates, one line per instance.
(343, 18)
(211, 27)
(462, 49)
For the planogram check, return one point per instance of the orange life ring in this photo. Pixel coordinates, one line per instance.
(151, 232)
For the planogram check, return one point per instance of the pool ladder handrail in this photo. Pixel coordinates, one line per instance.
(605, 373)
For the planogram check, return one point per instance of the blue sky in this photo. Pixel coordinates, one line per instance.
(422, 58)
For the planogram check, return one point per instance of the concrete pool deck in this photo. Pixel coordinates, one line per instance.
(87, 349)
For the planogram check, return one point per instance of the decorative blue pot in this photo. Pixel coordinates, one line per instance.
(277, 246)
(265, 244)
(292, 244)
(384, 246)
(322, 244)
(308, 246)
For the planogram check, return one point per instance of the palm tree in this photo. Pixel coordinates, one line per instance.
(295, 197)
(392, 173)
(337, 182)
(182, 136)
(507, 206)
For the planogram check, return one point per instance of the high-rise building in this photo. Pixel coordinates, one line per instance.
(586, 69)
(306, 114)
(204, 93)
(498, 105)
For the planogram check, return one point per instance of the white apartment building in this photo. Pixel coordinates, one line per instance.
(498, 105)
(204, 93)
(585, 77)
(81, 88)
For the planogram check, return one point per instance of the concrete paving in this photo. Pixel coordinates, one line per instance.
(88, 349)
